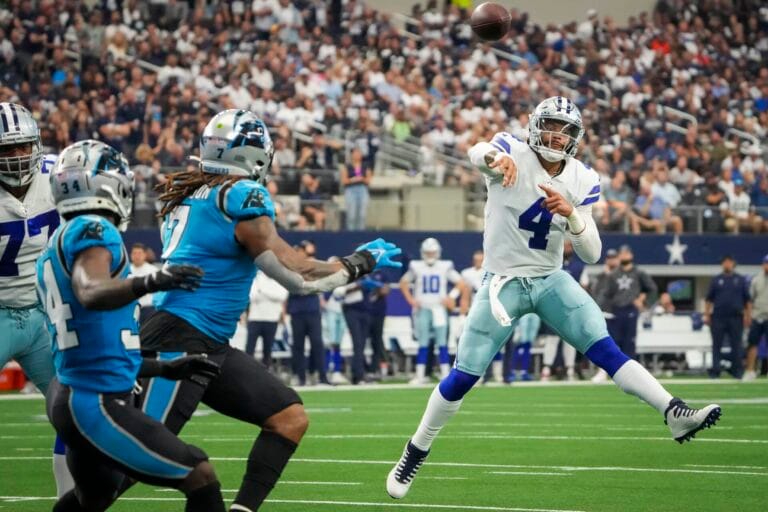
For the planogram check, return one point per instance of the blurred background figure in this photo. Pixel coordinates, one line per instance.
(334, 327)
(355, 177)
(265, 312)
(306, 323)
(728, 311)
(141, 266)
(628, 289)
(758, 293)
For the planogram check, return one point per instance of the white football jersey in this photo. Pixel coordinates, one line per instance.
(473, 277)
(521, 237)
(430, 282)
(25, 227)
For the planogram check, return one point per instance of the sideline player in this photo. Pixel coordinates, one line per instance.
(429, 301)
(28, 217)
(93, 314)
(528, 214)
(220, 217)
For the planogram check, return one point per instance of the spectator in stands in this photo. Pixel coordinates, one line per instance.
(663, 188)
(758, 293)
(140, 266)
(681, 175)
(652, 212)
(727, 311)
(618, 198)
(628, 290)
(285, 156)
(356, 178)
(264, 314)
(739, 213)
(306, 323)
(660, 150)
(312, 200)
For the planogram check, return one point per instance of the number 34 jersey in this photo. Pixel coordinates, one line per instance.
(93, 350)
(25, 227)
(522, 238)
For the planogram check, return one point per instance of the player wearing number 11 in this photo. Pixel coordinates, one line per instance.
(538, 194)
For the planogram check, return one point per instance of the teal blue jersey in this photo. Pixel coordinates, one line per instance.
(92, 350)
(201, 231)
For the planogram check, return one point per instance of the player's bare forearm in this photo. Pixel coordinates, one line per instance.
(465, 297)
(259, 235)
(93, 284)
(405, 288)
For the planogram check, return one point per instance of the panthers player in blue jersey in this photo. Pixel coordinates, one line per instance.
(28, 218)
(92, 315)
(221, 218)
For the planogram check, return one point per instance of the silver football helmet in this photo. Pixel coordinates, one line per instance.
(431, 250)
(91, 176)
(236, 142)
(554, 117)
(18, 128)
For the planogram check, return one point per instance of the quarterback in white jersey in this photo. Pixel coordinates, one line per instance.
(538, 194)
(28, 217)
(429, 278)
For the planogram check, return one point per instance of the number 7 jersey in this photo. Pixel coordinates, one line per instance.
(521, 237)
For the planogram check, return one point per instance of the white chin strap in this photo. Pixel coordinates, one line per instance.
(551, 155)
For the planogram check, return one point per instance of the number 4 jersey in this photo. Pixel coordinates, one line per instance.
(522, 238)
(25, 227)
(93, 350)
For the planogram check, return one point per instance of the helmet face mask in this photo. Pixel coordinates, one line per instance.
(430, 251)
(20, 148)
(92, 176)
(237, 143)
(555, 129)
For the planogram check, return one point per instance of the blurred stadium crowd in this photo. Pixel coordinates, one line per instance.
(675, 101)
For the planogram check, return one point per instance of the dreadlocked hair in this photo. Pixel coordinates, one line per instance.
(181, 185)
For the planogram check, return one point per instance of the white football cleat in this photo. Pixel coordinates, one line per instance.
(419, 381)
(338, 378)
(401, 477)
(685, 422)
(748, 376)
(600, 376)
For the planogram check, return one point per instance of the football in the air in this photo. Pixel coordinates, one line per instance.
(490, 21)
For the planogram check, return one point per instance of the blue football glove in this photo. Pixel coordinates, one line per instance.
(382, 253)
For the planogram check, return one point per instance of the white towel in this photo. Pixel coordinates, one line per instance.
(497, 308)
(439, 316)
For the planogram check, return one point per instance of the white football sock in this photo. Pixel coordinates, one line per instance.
(497, 370)
(550, 350)
(438, 412)
(421, 371)
(64, 481)
(569, 355)
(632, 378)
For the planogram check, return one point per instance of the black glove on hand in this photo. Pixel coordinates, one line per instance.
(358, 264)
(197, 368)
(170, 277)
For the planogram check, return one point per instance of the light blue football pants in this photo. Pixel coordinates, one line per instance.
(527, 328)
(424, 325)
(557, 299)
(334, 326)
(24, 337)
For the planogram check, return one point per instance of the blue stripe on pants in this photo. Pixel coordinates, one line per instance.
(161, 392)
(95, 424)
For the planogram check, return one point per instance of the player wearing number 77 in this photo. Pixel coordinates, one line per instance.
(28, 218)
(538, 194)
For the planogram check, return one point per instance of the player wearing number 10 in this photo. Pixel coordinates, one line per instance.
(538, 194)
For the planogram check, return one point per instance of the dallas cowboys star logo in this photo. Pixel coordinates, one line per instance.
(624, 282)
(676, 250)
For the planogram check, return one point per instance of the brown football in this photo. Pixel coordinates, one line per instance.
(490, 21)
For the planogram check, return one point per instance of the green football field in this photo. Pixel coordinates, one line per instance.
(519, 448)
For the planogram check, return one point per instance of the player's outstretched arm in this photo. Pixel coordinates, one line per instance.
(198, 368)
(496, 164)
(302, 275)
(95, 288)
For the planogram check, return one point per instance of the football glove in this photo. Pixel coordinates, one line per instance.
(369, 257)
(170, 277)
(197, 368)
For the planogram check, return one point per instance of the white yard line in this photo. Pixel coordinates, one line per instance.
(534, 473)
(390, 504)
